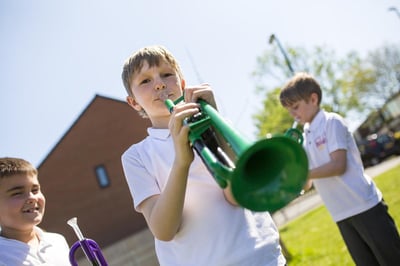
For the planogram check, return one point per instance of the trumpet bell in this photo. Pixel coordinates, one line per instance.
(269, 174)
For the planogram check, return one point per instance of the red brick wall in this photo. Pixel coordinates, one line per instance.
(98, 137)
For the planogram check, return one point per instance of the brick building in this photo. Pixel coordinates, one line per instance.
(82, 177)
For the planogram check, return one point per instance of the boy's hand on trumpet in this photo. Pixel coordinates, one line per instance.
(202, 91)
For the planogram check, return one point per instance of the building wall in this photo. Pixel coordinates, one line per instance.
(99, 136)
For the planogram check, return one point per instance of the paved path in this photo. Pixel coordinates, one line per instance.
(311, 200)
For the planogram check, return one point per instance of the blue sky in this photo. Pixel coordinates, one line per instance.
(57, 55)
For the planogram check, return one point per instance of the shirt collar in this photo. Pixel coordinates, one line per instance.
(158, 133)
(43, 243)
(315, 122)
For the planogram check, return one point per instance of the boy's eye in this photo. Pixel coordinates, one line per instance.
(145, 81)
(168, 74)
(16, 192)
(35, 189)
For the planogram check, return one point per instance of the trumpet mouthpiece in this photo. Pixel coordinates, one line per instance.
(73, 222)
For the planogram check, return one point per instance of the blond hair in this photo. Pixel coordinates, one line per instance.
(153, 55)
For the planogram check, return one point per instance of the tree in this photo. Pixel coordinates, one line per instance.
(346, 82)
(274, 118)
(386, 64)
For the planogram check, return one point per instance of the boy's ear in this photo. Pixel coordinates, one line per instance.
(314, 98)
(132, 102)
(183, 84)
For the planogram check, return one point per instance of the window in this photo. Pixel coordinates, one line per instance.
(102, 176)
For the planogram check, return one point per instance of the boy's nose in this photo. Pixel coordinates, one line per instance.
(30, 200)
(160, 84)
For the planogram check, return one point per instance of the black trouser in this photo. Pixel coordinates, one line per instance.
(372, 237)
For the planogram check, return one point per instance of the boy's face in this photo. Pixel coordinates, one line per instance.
(21, 203)
(304, 111)
(150, 87)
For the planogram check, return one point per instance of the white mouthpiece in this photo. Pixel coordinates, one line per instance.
(73, 222)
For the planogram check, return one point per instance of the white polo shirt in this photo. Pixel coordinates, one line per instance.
(53, 250)
(353, 192)
(213, 232)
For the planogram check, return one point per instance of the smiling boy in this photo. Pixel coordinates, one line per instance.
(22, 206)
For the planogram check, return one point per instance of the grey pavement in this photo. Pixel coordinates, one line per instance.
(312, 200)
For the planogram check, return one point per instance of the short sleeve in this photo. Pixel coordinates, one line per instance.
(336, 132)
(140, 182)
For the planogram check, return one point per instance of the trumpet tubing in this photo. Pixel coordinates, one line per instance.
(267, 174)
(89, 247)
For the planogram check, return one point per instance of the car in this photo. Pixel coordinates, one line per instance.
(377, 147)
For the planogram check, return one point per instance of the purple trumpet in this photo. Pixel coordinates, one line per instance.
(89, 247)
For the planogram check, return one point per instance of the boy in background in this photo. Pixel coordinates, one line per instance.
(337, 173)
(22, 206)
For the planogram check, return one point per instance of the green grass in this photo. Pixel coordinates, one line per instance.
(314, 239)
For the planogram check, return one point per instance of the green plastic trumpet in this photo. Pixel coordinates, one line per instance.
(266, 175)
